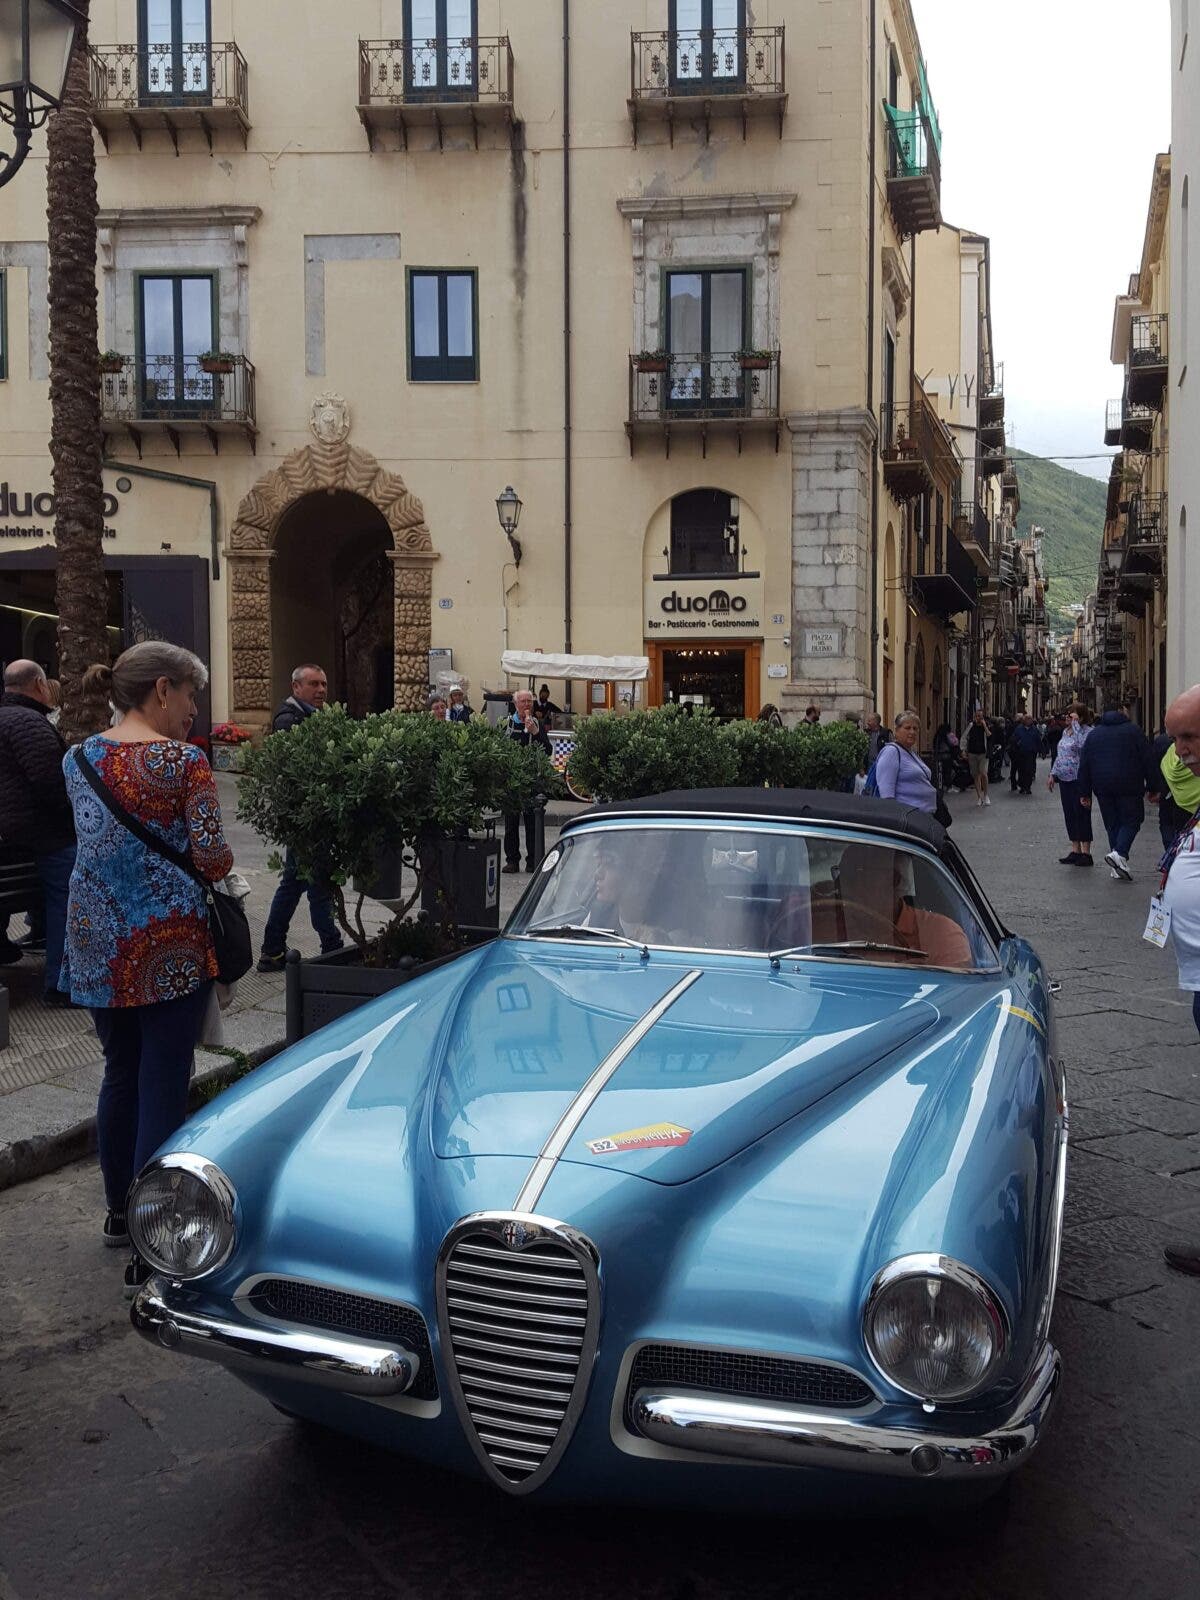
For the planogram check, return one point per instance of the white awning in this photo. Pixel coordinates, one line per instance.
(579, 669)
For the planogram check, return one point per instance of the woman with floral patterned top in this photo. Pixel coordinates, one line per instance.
(138, 951)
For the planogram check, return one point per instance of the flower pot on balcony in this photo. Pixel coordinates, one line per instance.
(650, 363)
(754, 363)
(216, 367)
(111, 364)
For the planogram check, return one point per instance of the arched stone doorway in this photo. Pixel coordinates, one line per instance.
(346, 476)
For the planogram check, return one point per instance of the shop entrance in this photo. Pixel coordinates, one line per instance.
(723, 678)
(332, 599)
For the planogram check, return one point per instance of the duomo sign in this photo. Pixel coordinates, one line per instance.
(675, 605)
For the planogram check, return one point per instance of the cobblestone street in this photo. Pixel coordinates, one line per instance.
(126, 1472)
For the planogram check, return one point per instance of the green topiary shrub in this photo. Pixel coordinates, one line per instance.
(340, 792)
(650, 752)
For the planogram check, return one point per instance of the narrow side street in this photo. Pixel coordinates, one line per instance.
(126, 1472)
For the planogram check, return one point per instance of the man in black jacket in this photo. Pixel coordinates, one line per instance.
(1115, 767)
(524, 727)
(35, 814)
(310, 691)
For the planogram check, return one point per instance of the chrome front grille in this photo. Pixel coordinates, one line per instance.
(518, 1302)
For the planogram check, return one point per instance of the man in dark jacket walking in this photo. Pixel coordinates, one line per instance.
(310, 691)
(1114, 767)
(35, 814)
(1025, 747)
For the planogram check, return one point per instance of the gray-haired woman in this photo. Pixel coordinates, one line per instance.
(899, 770)
(138, 950)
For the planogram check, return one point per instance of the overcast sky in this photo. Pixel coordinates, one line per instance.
(1052, 112)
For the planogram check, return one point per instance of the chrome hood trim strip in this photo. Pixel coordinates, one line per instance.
(565, 1129)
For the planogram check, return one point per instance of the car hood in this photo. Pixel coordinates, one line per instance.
(739, 1052)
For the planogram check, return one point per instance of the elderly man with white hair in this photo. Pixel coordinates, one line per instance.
(1181, 882)
(524, 727)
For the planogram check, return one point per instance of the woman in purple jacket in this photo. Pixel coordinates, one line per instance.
(899, 770)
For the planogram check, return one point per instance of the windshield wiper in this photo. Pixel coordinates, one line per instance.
(851, 945)
(576, 930)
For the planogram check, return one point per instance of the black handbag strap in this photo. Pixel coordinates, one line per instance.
(138, 829)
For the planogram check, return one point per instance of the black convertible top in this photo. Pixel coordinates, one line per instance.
(800, 805)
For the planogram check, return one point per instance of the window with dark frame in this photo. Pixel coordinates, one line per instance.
(707, 44)
(176, 315)
(704, 534)
(442, 326)
(888, 396)
(174, 50)
(3, 324)
(706, 330)
(441, 60)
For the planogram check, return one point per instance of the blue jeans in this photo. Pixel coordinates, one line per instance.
(54, 869)
(292, 889)
(143, 1099)
(1123, 816)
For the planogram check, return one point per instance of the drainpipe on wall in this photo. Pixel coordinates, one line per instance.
(206, 484)
(567, 351)
(909, 647)
(871, 225)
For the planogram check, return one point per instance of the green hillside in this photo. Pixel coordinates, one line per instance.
(1071, 509)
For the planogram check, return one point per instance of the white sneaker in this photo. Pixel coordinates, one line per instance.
(1119, 865)
(979, 802)
(987, 799)
(1114, 874)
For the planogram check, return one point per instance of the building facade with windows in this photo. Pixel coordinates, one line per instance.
(658, 276)
(1183, 475)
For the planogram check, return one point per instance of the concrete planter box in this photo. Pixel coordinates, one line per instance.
(323, 988)
(228, 757)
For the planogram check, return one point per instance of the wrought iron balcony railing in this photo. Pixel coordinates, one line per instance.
(914, 171)
(688, 389)
(166, 86)
(411, 82)
(974, 531)
(179, 394)
(1147, 359)
(707, 72)
(915, 448)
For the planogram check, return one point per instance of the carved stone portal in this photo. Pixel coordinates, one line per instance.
(326, 466)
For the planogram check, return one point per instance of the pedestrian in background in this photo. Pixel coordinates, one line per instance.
(812, 714)
(974, 744)
(35, 814)
(526, 730)
(770, 715)
(1064, 773)
(437, 706)
(138, 949)
(1114, 767)
(877, 737)
(900, 772)
(310, 691)
(1026, 745)
(545, 710)
(1181, 885)
(460, 710)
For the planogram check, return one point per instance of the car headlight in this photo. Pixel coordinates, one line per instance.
(181, 1216)
(934, 1328)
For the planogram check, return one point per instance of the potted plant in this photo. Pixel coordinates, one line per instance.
(218, 363)
(348, 796)
(111, 361)
(755, 360)
(228, 747)
(651, 361)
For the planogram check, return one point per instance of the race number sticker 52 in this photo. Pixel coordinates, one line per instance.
(659, 1135)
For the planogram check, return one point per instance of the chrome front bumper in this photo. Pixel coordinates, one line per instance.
(791, 1436)
(164, 1315)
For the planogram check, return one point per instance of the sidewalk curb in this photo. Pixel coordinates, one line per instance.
(34, 1158)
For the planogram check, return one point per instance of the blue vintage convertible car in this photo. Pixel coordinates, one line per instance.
(732, 1172)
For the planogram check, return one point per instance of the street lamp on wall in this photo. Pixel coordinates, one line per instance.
(508, 509)
(1114, 555)
(36, 40)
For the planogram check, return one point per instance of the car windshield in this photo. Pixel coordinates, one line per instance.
(754, 890)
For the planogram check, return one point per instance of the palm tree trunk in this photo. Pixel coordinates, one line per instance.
(76, 445)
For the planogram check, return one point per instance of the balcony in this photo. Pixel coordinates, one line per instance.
(174, 396)
(433, 83)
(991, 405)
(973, 531)
(1010, 488)
(703, 394)
(1112, 422)
(1147, 360)
(168, 89)
(954, 587)
(704, 73)
(992, 459)
(1137, 425)
(915, 448)
(1145, 537)
(914, 172)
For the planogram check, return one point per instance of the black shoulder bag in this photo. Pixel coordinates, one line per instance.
(228, 926)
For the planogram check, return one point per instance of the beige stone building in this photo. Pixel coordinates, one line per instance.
(660, 280)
